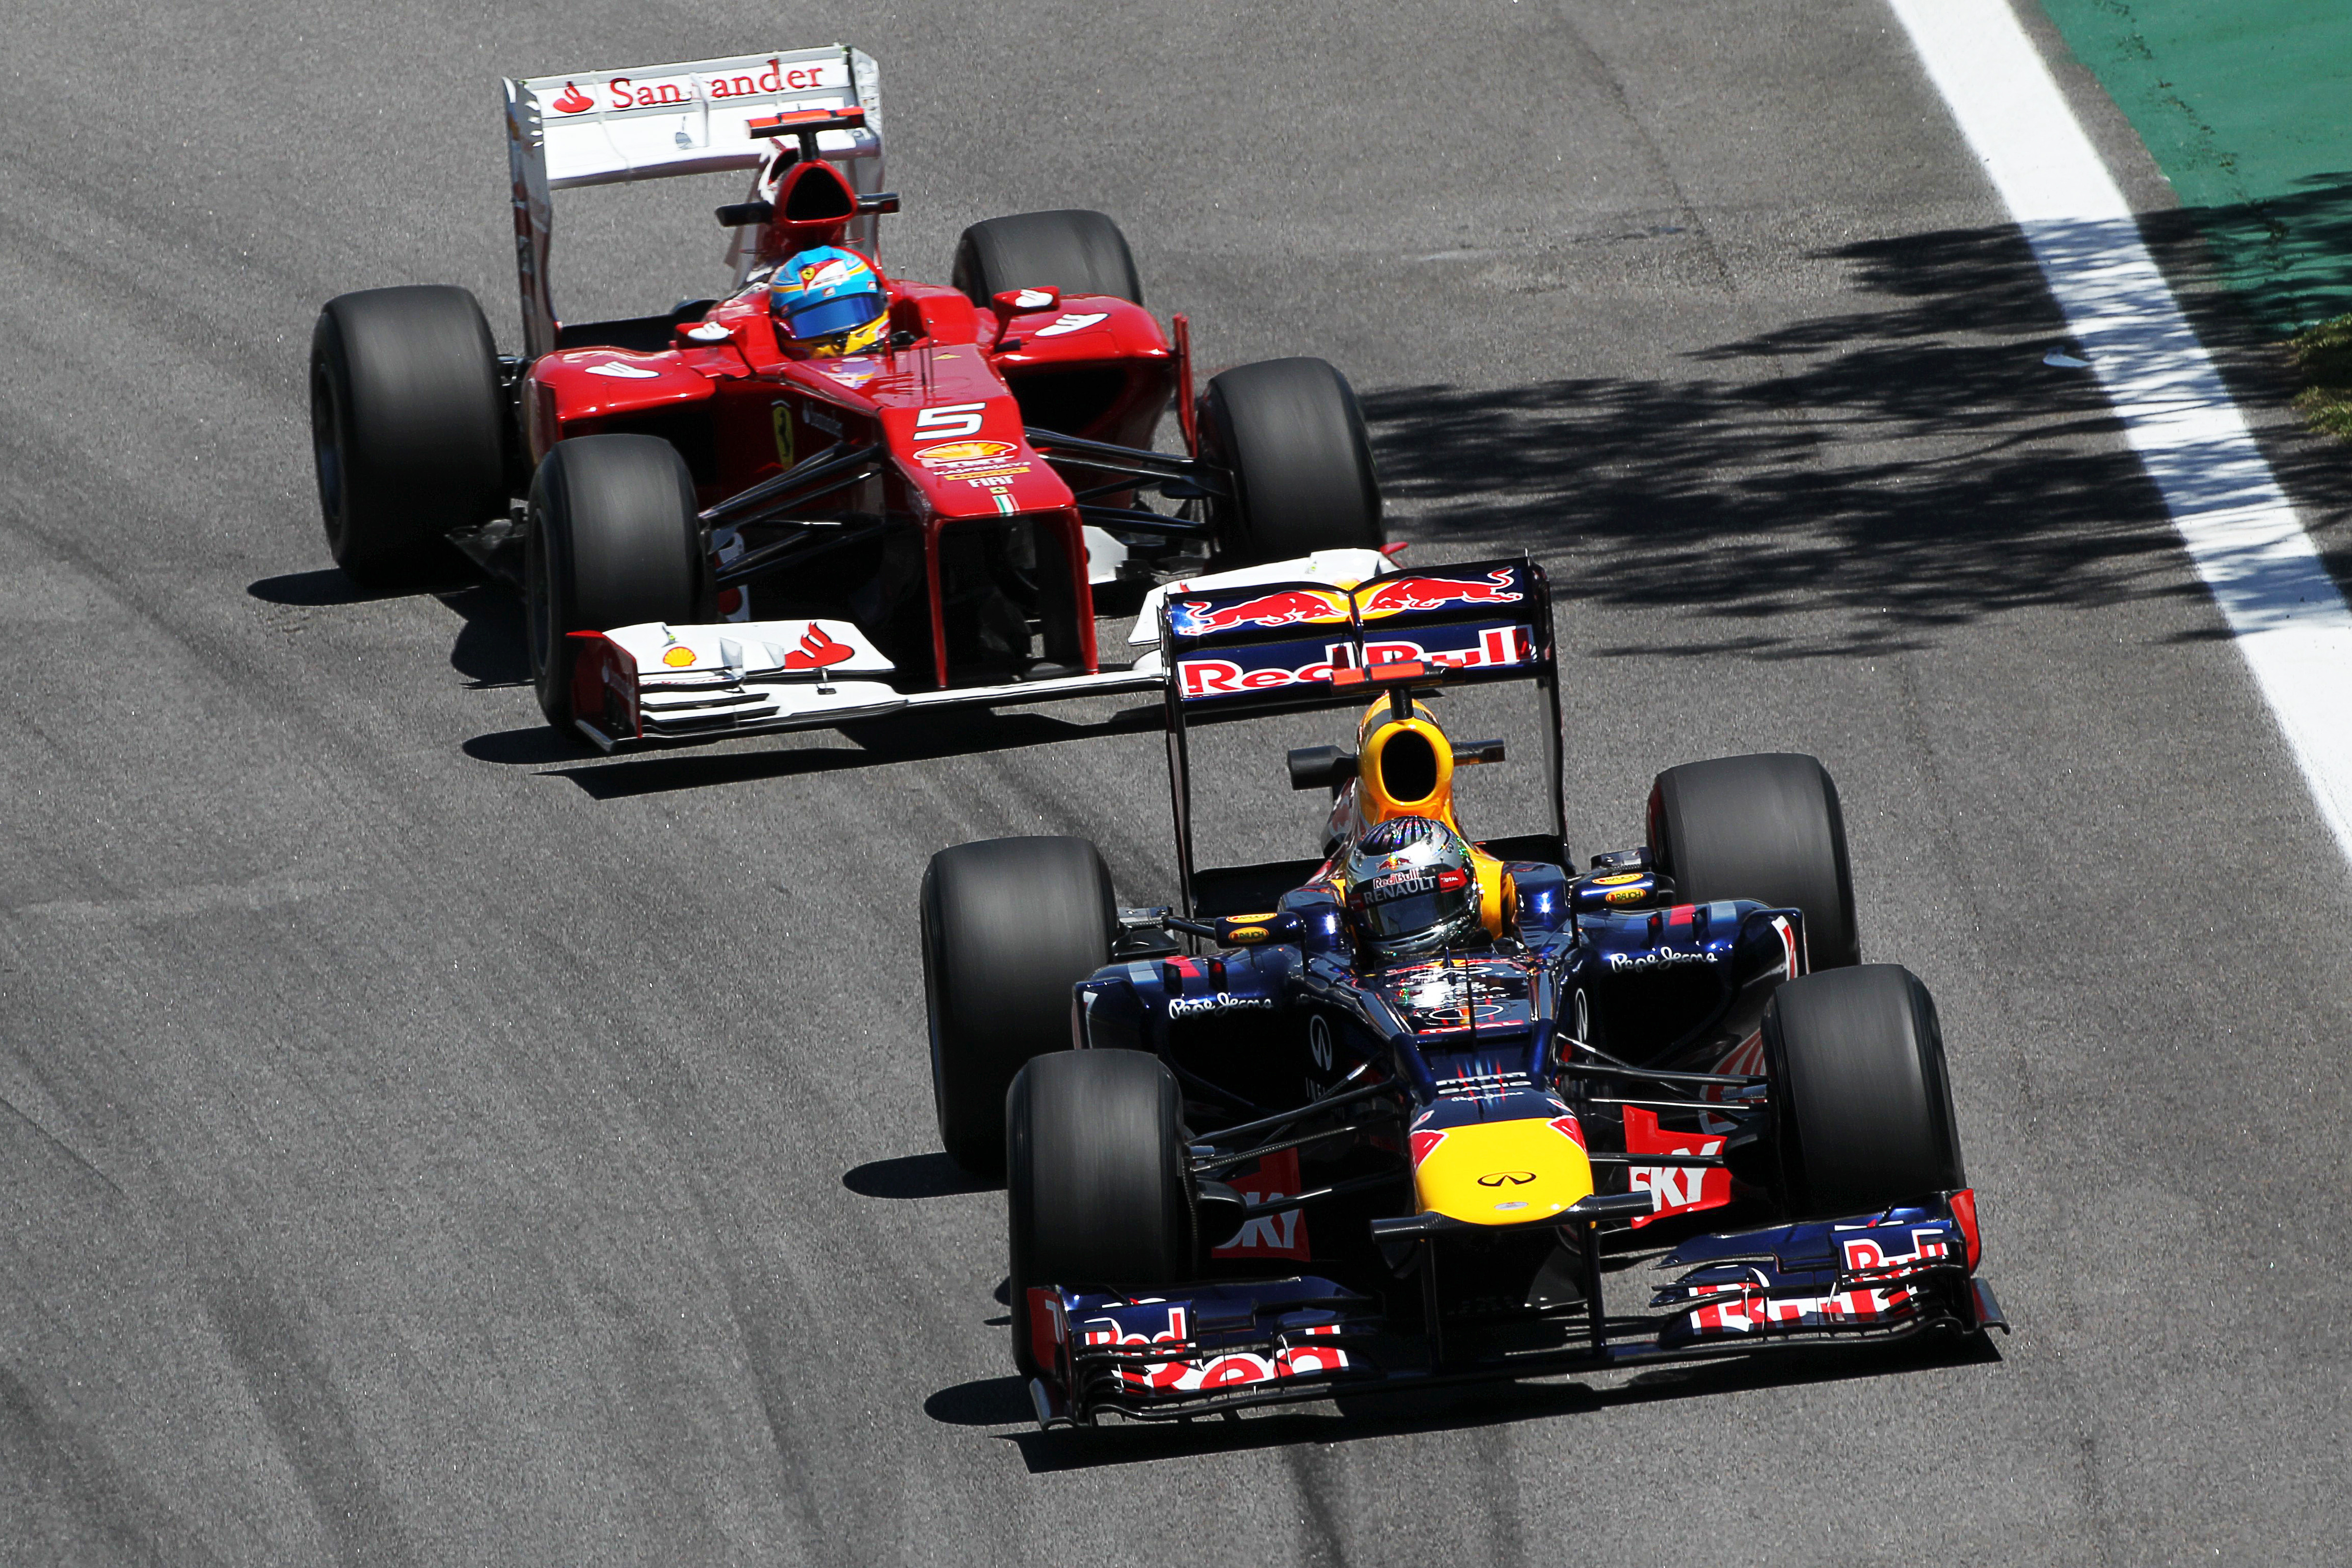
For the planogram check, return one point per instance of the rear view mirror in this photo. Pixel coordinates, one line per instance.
(1321, 767)
(1248, 930)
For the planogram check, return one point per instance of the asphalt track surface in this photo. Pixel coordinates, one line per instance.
(425, 1145)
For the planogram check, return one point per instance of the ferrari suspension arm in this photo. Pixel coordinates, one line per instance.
(828, 470)
(1135, 519)
(1078, 452)
(796, 550)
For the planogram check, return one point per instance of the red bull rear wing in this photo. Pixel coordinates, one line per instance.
(1305, 644)
(1239, 650)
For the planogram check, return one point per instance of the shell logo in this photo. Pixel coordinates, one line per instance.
(679, 658)
(962, 452)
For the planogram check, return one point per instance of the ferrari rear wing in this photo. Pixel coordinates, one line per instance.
(650, 122)
(1247, 649)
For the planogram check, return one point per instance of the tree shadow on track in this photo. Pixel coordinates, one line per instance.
(1909, 466)
(876, 742)
(1004, 1402)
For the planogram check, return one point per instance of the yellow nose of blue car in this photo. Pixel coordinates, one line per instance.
(1501, 1172)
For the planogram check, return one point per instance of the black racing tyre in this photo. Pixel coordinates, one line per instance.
(1097, 1192)
(408, 429)
(1862, 1102)
(613, 540)
(1076, 251)
(1766, 828)
(1009, 926)
(1291, 436)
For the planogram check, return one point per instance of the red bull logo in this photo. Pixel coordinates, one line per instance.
(1213, 1369)
(1325, 606)
(1402, 595)
(1288, 607)
(1210, 677)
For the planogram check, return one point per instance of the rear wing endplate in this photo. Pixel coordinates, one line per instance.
(1267, 647)
(650, 122)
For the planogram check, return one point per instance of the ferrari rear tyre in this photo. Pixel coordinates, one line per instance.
(1009, 926)
(1076, 251)
(1766, 828)
(1097, 1193)
(408, 429)
(1291, 434)
(1862, 1102)
(613, 540)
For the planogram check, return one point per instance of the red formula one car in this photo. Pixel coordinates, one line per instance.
(722, 520)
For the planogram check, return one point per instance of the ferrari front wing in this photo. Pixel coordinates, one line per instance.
(658, 683)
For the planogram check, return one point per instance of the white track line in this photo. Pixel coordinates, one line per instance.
(2241, 532)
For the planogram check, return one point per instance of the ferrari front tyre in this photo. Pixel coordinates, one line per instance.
(408, 428)
(1861, 1099)
(1009, 926)
(613, 540)
(1291, 437)
(1097, 1192)
(1074, 250)
(1766, 828)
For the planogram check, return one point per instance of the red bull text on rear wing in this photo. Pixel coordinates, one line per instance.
(1278, 645)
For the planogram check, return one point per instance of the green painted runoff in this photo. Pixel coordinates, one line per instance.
(2247, 107)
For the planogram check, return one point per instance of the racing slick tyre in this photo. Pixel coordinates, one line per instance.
(1097, 1192)
(613, 540)
(1290, 434)
(408, 427)
(1766, 828)
(1009, 926)
(1862, 1103)
(1074, 250)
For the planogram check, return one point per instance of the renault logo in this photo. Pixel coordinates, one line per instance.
(1496, 1178)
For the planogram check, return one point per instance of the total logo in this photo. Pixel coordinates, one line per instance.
(1223, 677)
(677, 92)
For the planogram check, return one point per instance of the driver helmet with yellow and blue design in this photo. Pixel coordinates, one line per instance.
(827, 302)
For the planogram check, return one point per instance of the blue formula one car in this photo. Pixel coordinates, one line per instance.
(1410, 1113)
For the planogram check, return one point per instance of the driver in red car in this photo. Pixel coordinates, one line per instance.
(828, 304)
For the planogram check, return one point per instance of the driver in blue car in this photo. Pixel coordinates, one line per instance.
(1411, 887)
